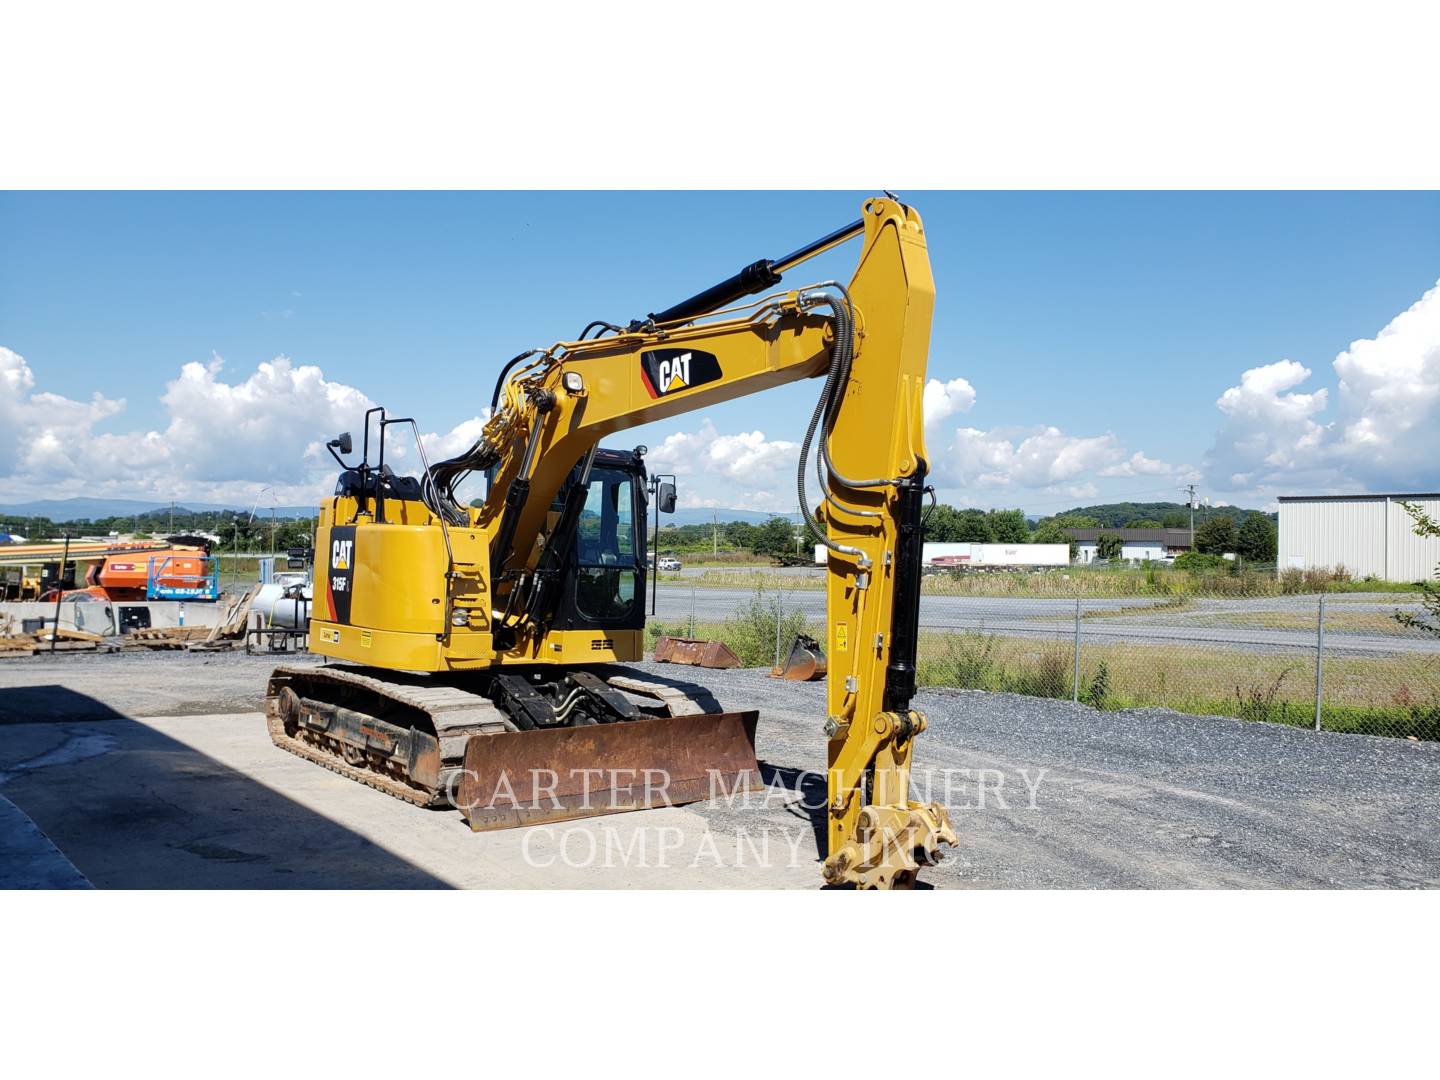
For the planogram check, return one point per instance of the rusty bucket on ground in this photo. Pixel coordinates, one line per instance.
(695, 652)
(805, 661)
(559, 774)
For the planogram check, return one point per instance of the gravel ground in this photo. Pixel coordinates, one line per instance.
(1044, 794)
(1137, 799)
(86, 686)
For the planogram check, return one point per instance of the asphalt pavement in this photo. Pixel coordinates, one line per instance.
(1105, 620)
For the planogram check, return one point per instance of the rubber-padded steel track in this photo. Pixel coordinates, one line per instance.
(368, 777)
(456, 715)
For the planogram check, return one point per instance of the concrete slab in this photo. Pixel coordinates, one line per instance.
(28, 860)
(208, 802)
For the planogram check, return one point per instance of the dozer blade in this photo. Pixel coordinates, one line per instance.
(696, 652)
(558, 774)
(805, 661)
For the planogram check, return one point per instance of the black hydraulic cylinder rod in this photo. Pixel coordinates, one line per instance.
(839, 236)
(905, 611)
(758, 276)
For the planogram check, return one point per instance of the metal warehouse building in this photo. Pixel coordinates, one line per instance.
(1366, 534)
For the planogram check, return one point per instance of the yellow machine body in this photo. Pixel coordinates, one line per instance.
(384, 600)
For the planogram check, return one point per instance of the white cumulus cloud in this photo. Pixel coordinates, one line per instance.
(744, 470)
(1027, 458)
(943, 400)
(1137, 464)
(1389, 399)
(1384, 431)
(221, 442)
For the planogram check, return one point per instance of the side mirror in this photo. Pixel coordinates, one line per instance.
(343, 443)
(665, 496)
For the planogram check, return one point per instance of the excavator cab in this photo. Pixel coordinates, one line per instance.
(605, 585)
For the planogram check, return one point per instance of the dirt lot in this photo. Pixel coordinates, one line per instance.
(154, 771)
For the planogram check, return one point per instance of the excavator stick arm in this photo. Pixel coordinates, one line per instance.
(870, 340)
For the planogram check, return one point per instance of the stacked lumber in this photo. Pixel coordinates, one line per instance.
(64, 640)
(17, 645)
(167, 637)
(227, 632)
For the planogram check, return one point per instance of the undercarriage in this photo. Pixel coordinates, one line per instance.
(514, 748)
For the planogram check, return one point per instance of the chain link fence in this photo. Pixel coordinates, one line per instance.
(1337, 661)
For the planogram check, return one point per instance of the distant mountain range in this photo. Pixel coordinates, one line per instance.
(1113, 515)
(1120, 515)
(82, 508)
(87, 509)
(705, 515)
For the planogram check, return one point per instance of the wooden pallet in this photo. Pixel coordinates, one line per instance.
(167, 637)
(43, 641)
(228, 631)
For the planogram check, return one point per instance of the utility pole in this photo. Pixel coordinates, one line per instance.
(60, 592)
(1190, 502)
(653, 486)
(714, 532)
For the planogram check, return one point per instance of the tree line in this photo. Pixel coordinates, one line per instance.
(775, 537)
(232, 526)
(1252, 537)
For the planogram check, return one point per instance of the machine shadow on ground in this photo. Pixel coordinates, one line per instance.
(810, 792)
(133, 808)
(52, 703)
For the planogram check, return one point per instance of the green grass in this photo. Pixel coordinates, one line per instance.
(1368, 622)
(239, 575)
(1369, 695)
(750, 632)
(1380, 695)
(1078, 581)
(1374, 585)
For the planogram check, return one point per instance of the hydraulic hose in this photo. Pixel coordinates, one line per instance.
(504, 371)
(845, 357)
(843, 342)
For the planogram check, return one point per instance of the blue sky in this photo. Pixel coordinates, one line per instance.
(1089, 327)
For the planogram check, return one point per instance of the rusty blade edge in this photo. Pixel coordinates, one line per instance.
(561, 774)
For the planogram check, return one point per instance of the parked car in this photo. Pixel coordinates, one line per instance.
(670, 563)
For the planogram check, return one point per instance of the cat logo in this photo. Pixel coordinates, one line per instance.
(675, 374)
(334, 602)
(667, 371)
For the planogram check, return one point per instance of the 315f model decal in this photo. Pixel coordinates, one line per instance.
(340, 574)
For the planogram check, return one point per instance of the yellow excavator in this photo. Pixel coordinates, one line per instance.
(478, 649)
